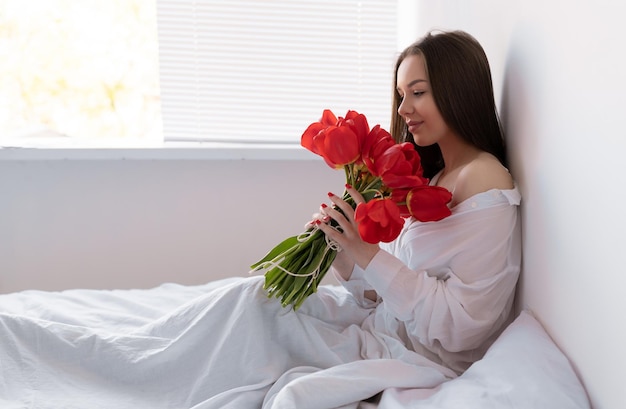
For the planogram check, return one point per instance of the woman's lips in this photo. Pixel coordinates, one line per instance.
(414, 126)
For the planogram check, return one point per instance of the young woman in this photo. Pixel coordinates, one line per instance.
(410, 314)
(445, 288)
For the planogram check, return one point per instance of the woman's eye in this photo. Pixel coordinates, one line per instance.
(418, 93)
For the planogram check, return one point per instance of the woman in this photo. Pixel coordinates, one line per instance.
(446, 286)
(413, 313)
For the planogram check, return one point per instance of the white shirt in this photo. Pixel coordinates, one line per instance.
(446, 288)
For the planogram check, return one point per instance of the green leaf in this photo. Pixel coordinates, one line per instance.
(282, 247)
(306, 284)
(315, 261)
(298, 283)
(273, 277)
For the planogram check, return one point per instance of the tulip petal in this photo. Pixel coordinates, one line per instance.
(429, 203)
(378, 220)
(341, 146)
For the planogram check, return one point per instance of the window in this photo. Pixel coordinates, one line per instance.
(190, 71)
(78, 69)
(237, 70)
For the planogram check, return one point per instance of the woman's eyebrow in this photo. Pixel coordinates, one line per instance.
(410, 84)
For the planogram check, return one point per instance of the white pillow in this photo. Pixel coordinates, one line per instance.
(523, 369)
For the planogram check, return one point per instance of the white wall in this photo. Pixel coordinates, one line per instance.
(559, 76)
(559, 71)
(138, 223)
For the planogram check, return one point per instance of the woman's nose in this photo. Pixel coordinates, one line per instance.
(403, 108)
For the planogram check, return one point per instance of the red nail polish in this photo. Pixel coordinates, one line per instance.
(324, 205)
(318, 222)
(348, 186)
(330, 194)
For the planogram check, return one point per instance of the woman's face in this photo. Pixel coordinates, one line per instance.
(417, 105)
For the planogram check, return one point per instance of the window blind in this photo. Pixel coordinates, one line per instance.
(261, 71)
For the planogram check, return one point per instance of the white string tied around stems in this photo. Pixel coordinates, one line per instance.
(330, 245)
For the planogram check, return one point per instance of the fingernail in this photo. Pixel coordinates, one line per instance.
(348, 186)
(318, 222)
(330, 194)
(324, 205)
(326, 218)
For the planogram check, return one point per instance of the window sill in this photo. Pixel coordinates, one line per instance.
(162, 151)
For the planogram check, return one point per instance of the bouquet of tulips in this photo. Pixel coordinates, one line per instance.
(386, 173)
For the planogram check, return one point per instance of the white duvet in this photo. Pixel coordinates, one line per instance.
(170, 347)
(150, 349)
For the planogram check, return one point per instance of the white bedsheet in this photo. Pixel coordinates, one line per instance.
(149, 349)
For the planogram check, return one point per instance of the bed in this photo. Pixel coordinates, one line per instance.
(523, 369)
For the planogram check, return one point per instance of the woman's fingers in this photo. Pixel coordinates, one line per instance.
(346, 233)
(331, 232)
(345, 207)
(342, 213)
(321, 216)
(356, 195)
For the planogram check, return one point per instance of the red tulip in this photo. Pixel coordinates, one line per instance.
(357, 123)
(374, 145)
(429, 203)
(308, 139)
(400, 167)
(337, 140)
(378, 220)
(340, 146)
(399, 195)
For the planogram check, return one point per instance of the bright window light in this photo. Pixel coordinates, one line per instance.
(78, 69)
(166, 72)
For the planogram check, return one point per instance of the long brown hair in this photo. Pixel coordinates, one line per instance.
(461, 83)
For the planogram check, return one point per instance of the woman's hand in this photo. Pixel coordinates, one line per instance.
(343, 264)
(348, 238)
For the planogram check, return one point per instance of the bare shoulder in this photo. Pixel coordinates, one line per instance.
(483, 173)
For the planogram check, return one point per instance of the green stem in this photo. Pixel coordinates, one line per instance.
(348, 170)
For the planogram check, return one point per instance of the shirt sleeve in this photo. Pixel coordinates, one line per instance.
(461, 299)
(357, 285)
